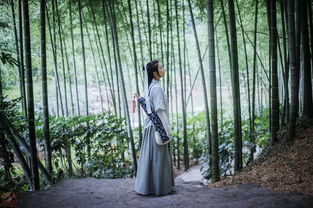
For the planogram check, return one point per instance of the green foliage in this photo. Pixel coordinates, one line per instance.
(18, 182)
(10, 109)
(196, 133)
(6, 58)
(198, 141)
(108, 140)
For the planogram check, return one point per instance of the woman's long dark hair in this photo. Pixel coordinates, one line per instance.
(151, 67)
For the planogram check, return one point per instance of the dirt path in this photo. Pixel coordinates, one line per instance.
(119, 193)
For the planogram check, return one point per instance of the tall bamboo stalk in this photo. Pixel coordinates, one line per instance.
(235, 88)
(30, 99)
(214, 125)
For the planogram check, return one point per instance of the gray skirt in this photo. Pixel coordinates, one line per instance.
(154, 173)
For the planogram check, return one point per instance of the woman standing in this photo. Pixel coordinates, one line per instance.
(154, 174)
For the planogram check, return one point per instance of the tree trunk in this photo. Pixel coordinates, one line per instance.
(311, 30)
(85, 75)
(54, 24)
(56, 74)
(20, 67)
(207, 116)
(307, 81)
(149, 30)
(135, 66)
(214, 125)
(74, 60)
(140, 38)
(220, 84)
(226, 32)
(21, 52)
(274, 75)
(246, 64)
(286, 72)
(252, 134)
(294, 72)
(122, 83)
(95, 62)
(102, 51)
(183, 103)
(62, 56)
(84, 57)
(235, 88)
(30, 98)
(110, 61)
(45, 104)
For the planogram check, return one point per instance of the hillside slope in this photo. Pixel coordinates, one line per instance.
(283, 167)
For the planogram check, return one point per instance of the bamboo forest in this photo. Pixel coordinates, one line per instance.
(237, 83)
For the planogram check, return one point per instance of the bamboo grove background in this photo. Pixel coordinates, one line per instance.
(234, 68)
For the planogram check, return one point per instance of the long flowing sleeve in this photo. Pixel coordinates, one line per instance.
(156, 120)
(160, 108)
(165, 121)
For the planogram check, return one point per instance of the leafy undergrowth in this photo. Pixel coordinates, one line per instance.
(283, 167)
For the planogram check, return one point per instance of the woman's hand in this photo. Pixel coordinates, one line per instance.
(136, 95)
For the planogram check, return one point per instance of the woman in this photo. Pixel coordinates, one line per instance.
(154, 173)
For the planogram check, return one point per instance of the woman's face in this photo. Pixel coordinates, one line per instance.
(161, 71)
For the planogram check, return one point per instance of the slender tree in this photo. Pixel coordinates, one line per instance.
(183, 103)
(274, 75)
(95, 63)
(122, 83)
(17, 51)
(30, 98)
(85, 74)
(214, 125)
(56, 74)
(206, 104)
(55, 46)
(246, 64)
(220, 83)
(226, 32)
(102, 51)
(235, 88)
(105, 20)
(149, 30)
(21, 52)
(307, 80)
(74, 60)
(294, 72)
(68, 70)
(285, 113)
(84, 56)
(168, 23)
(135, 65)
(45, 106)
(62, 56)
(160, 30)
(252, 134)
(311, 30)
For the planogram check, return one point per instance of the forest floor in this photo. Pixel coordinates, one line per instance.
(281, 177)
(283, 167)
(120, 193)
